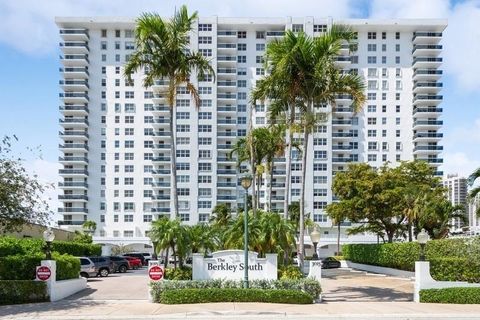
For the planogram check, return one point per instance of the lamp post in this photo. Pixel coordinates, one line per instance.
(48, 236)
(422, 239)
(154, 255)
(246, 182)
(315, 237)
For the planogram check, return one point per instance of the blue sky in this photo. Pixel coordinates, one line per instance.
(29, 54)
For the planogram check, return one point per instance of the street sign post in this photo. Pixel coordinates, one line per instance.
(155, 273)
(43, 273)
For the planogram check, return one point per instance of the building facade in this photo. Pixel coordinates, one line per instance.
(115, 140)
(457, 193)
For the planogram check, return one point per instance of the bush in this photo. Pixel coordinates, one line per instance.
(451, 295)
(184, 273)
(289, 272)
(22, 291)
(23, 267)
(308, 285)
(455, 269)
(180, 296)
(13, 246)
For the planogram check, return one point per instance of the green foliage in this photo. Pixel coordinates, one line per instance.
(451, 295)
(22, 267)
(450, 259)
(26, 246)
(82, 237)
(308, 285)
(22, 291)
(182, 296)
(289, 272)
(184, 273)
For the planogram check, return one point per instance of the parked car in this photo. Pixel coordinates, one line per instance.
(136, 255)
(330, 262)
(135, 263)
(104, 265)
(87, 268)
(120, 264)
(147, 256)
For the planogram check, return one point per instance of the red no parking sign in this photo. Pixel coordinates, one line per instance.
(155, 273)
(43, 273)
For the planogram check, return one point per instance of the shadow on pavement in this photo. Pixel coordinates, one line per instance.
(364, 294)
(33, 308)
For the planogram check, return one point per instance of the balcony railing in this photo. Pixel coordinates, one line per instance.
(226, 70)
(226, 134)
(341, 121)
(163, 146)
(228, 33)
(75, 57)
(160, 159)
(426, 47)
(342, 147)
(75, 69)
(70, 223)
(275, 33)
(73, 146)
(427, 72)
(74, 133)
(74, 31)
(226, 197)
(226, 121)
(74, 108)
(226, 185)
(73, 184)
(431, 160)
(342, 160)
(226, 171)
(161, 171)
(73, 171)
(161, 197)
(227, 46)
(72, 197)
(426, 34)
(68, 82)
(343, 135)
(226, 96)
(73, 210)
(74, 44)
(428, 123)
(427, 97)
(428, 148)
(73, 159)
(227, 108)
(427, 59)
(428, 135)
(73, 95)
(161, 184)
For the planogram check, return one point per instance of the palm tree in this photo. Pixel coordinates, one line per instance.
(201, 238)
(90, 226)
(170, 234)
(162, 50)
(471, 180)
(275, 148)
(312, 78)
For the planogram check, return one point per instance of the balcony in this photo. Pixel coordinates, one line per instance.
(227, 60)
(74, 85)
(226, 172)
(226, 71)
(343, 97)
(427, 149)
(73, 197)
(226, 109)
(77, 34)
(75, 110)
(278, 198)
(71, 47)
(161, 209)
(343, 135)
(342, 147)
(427, 62)
(74, 97)
(231, 97)
(72, 159)
(427, 124)
(426, 37)
(74, 122)
(427, 111)
(343, 110)
(73, 185)
(161, 197)
(75, 72)
(427, 136)
(342, 122)
(279, 172)
(225, 159)
(227, 122)
(227, 34)
(226, 185)
(275, 34)
(161, 120)
(426, 49)
(73, 172)
(226, 134)
(427, 87)
(430, 99)
(227, 197)
(162, 134)
(342, 60)
(277, 160)
(73, 210)
(72, 147)
(69, 222)
(160, 185)
(431, 160)
(162, 159)
(161, 172)
(158, 98)
(427, 74)
(227, 46)
(75, 60)
(278, 185)
(341, 160)
(163, 146)
(161, 108)
(78, 135)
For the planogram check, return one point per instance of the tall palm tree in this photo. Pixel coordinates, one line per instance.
(311, 76)
(471, 180)
(162, 50)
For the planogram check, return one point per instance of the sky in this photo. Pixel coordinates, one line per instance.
(29, 58)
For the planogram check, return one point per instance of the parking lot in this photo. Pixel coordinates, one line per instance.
(131, 285)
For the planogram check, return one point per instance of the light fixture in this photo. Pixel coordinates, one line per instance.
(315, 237)
(48, 236)
(246, 181)
(422, 239)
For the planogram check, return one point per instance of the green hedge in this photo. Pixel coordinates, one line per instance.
(451, 295)
(184, 273)
(22, 291)
(455, 269)
(12, 246)
(308, 285)
(181, 296)
(289, 272)
(23, 267)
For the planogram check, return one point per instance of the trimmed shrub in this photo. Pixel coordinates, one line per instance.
(23, 267)
(180, 296)
(455, 269)
(13, 246)
(22, 291)
(184, 273)
(451, 295)
(308, 285)
(289, 272)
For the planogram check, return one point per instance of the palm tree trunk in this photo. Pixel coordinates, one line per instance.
(166, 257)
(301, 244)
(254, 195)
(259, 185)
(270, 186)
(410, 232)
(338, 238)
(173, 148)
(288, 173)
(174, 256)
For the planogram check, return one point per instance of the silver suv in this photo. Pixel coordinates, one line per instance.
(87, 268)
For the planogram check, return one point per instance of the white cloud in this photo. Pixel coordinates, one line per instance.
(459, 162)
(31, 27)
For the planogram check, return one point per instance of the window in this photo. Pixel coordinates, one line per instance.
(242, 83)
(183, 115)
(319, 205)
(242, 71)
(183, 191)
(260, 120)
(129, 168)
(371, 96)
(371, 47)
(372, 35)
(204, 115)
(260, 34)
(384, 47)
(372, 145)
(320, 179)
(260, 46)
(129, 107)
(183, 153)
(397, 121)
(384, 35)
(371, 59)
(204, 204)
(129, 45)
(297, 27)
(129, 94)
(183, 140)
(397, 96)
(204, 179)
(128, 206)
(147, 218)
(319, 167)
(104, 33)
(384, 120)
(204, 166)
(127, 233)
(241, 34)
(397, 47)
(241, 95)
(296, 179)
(397, 108)
(259, 59)
(242, 59)
(204, 193)
(398, 146)
(204, 128)
(204, 141)
(397, 35)
(204, 154)
(205, 103)
(295, 192)
(205, 52)
(319, 28)
(183, 166)
(372, 157)
(397, 59)
(183, 128)
(319, 141)
(320, 154)
(103, 45)
(129, 144)
(259, 71)
(296, 167)
(242, 47)
(183, 178)
(372, 120)
(204, 40)
(372, 133)
(204, 27)
(384, 59)
(372, 72)
(371, 108)
(117, 34)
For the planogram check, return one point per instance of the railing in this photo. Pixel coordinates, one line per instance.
(426, 47)
(74, 83)
(427, 72)
(226, 134)
(75, 57)
(275, 33)
(226, 171)
(74, 133)
(70, 223)
(226, 197)
(72, 197)
(73, 184)
(226, 70)
(162, 159)
(161, 197)
(227, 109)
(73, 146)
(343, 121)
(427, 97)
(342, 135)
(73, 95)
(428, 122)
(161, 184)
(163, 146)
(227, 58)
(74, 69)
(431, 160)
(426, 34)
(161, 171)
(427, 59)
(74, 108)
(74, 31)
(342, 160)
(73, 171)
(227, 83)
(227, 46)
(428, 135)
(428, 148)
(72, 44)
(226, 185)
(342, 147)
(226, 121)
(227, 33)
(69, 209)
(428, 85)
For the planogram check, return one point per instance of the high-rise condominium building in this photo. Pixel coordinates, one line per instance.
(457, 194)
(115, 139)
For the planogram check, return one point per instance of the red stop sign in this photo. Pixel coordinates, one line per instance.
(155, 273)
(43, 273)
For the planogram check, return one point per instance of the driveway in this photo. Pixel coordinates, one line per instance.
(357, 286)
(132, 285)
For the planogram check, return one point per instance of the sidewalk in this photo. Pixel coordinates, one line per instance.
(141, 309)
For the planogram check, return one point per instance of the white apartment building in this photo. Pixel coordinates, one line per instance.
(115, 144)
(457, 194)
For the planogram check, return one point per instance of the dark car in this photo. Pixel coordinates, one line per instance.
(330, 262)
(137, 255)
(120, 263)
(104, 265)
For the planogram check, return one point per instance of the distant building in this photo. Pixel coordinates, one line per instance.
(473, 217)
(31, 230)
(457, 194)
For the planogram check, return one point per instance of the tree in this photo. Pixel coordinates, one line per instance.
(476, 190)
(311, 77)
(21, 199)
(221, 215)
(162, 49)
(202, 238)
(90, 226)
(82, 237)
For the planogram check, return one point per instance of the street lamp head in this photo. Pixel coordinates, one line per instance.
(246, 181)
(48, 235)
(315, 234)
(422, 237)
